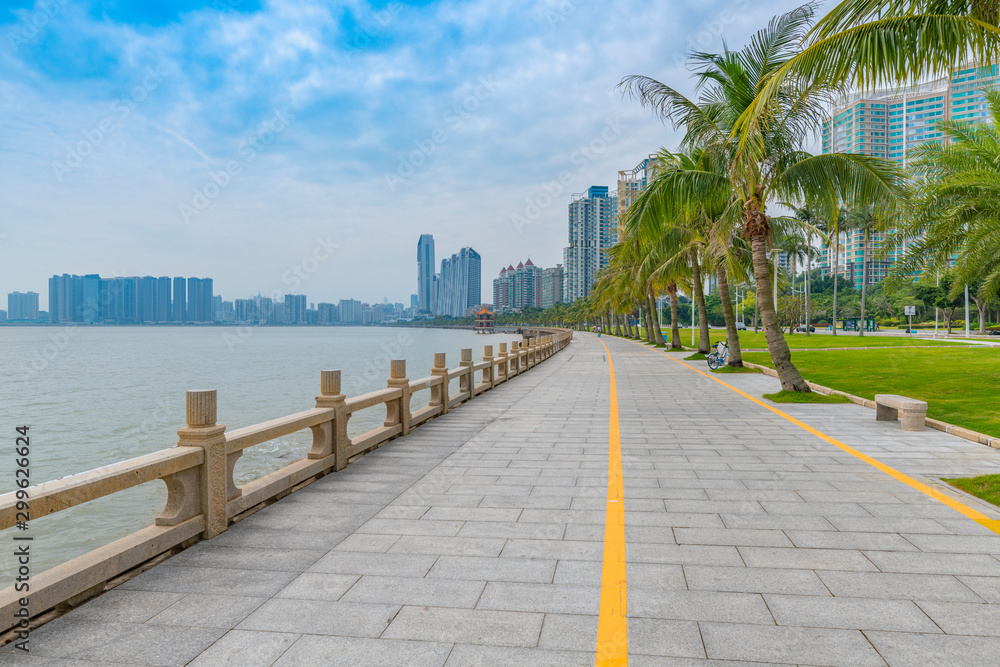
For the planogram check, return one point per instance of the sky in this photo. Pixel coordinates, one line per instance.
(282, 146)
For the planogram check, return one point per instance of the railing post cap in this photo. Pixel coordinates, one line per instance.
(329, 383)
(397, 369)
(466, 354)
(201, 407)
(440, 360)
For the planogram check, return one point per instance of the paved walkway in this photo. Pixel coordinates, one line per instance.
(479, 539)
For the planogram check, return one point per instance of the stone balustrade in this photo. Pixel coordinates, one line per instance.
(202, 498)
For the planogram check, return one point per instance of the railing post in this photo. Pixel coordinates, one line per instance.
(439, 394)
(502, 365)
(331, 437)
(488, 371)
(467, 381)
(515, 356)
(215, 480)
(400, 414)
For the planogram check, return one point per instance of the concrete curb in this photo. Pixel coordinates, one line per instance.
(937, 424)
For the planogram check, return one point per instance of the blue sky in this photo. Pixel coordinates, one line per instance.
(241, 140)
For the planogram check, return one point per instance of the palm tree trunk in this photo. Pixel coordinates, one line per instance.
(618, 325)
(655, 322)
(675, 327)
(704, 344)
(808, 282)
(836, 270)
(788, 374)
(864, 282)
(735, 356)
(649, 325)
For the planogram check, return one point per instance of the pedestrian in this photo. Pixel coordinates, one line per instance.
(598, 331)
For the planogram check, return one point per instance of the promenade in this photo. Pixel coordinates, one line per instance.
(480, 538)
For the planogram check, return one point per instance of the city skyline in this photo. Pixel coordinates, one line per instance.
(318, 133)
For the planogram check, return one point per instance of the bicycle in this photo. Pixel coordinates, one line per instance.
(718, 358)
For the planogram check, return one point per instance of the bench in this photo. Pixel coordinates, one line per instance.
(911, 412)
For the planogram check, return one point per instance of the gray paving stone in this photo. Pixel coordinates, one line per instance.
(811, 646)
(697, 606)
(732, 537)
(209, 581)
(895, 586)
(367, 543)
(350, 651)
(415, 591)
(682, 554)
(656, 637)
(806, 559)
(469, 626)
(935, 563)
(809, 539)
(321, 617)
(318, 586)
(493, 569)
(753, 580)
(242, 648)
(448, 546)
(849, 613)
(959, 618)
(124, 606)
(568, 632)
(547, 598)
(207, 554)
(358, 563)
(554, 549)
(208, 611)
(903, 648)
(490, 656)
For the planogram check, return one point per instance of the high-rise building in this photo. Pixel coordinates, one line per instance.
(425, 273)
(458, 286)
(524, 287)
(889, 124)
(22, 307)
(414, 301)
(633, 181)
(199, 300)
(350, 311)
(552, 286)
(162, 310)
(295, 308)
(180, 300)
(591, 235)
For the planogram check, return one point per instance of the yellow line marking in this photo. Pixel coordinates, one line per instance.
(612, 624)
(975, 515)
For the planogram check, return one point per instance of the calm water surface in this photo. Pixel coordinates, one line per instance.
(98, 395)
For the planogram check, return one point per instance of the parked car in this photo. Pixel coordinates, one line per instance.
(741, 326)
(802, 328)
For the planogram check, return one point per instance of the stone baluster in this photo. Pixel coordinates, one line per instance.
(488, 378)
(514, 356)
(398, 410)
(439, 394)
(467, 380)
(331, 437)
(502, 365)
(204, 490)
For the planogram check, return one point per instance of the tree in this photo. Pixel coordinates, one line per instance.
(765, 159)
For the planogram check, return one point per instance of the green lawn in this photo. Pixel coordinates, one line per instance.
(961, 385)
(751, 340)
(986, 487)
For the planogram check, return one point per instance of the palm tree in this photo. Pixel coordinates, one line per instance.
(765, 159)
(863, 218)
(866, 44)
(956, 215)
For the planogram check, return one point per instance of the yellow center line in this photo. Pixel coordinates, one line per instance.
(975, 515)
(612, 624)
